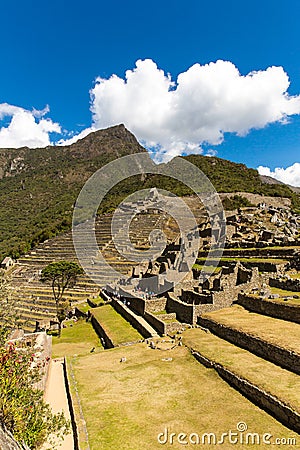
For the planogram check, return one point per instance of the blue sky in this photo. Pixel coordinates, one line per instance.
(52, 53)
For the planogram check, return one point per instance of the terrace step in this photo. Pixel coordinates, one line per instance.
(276, 340)
(266, 384)
(279, 308)
(33, 295)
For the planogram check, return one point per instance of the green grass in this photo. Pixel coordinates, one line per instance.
(280, 332)
(79, 338)
(126, 405)
(83, 307)
(283, 292)
(116, 327)
(295, 276)
(283, 384)
(207, 268)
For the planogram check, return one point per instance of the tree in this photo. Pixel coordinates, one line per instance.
(61, 275)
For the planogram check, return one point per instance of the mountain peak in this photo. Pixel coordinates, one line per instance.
(115, 140)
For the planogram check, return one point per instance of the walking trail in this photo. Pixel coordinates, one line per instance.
(56, 396)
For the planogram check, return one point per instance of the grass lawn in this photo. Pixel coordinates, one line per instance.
(207, 268)
(79, 339)
(280, 332)
(116, 327)
(83, 307)
(283, 293)
(283, 384)
(126, 405)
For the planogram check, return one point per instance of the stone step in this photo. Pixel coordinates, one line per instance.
(276, 340)
(266, 384)
(278, 307)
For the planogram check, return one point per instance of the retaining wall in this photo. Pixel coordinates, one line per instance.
(284, 413)
(71, 406)
(257, 252)
(132, 319)
(270, 308)
(285, 358)
(285, 284)
(184, 312)
(162, 327)
(79, 313)
(108, 343)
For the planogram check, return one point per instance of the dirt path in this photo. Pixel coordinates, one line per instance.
(56, 396)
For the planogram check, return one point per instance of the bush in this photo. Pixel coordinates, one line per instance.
(22, 408)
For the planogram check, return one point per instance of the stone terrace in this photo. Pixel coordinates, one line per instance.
(35, 300)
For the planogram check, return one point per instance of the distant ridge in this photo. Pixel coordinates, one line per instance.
(271, 180)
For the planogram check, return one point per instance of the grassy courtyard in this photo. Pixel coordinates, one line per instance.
(77, 338)
(126, 405)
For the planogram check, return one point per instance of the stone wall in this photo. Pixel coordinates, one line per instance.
(189, 296)
(263, 266)
(156, 304)
(138, 305)
(283, 357)
(7, 441)
(156, 323)
(287, 284)
(161, 326)
(285, 252)
(108, 343)
(270, 308)
(284, 413)
(184, 312)
(222, 298)
(71, 406)
(80, 314)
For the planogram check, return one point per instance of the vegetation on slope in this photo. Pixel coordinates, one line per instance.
(38, 187)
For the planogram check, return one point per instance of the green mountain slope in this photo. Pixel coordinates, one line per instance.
(38, 187)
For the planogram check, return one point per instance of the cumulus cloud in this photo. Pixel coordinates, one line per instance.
(290, 175)
(206, 101)
(25, 128)
(75, 138)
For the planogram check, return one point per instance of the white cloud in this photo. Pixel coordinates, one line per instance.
(204, 103)
(26, 128)
(211, 152)
(290, 175)
(75, 138)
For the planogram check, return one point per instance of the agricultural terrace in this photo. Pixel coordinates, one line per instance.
(279, 332)
(283, 384)
(115, 326)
